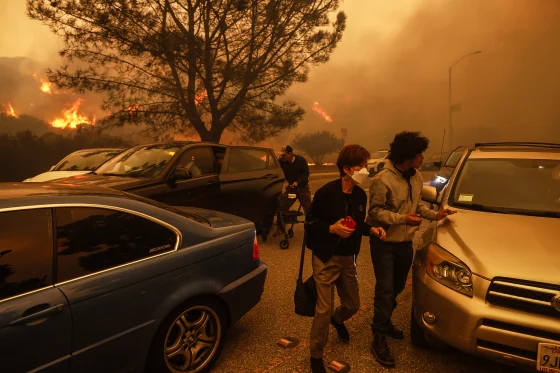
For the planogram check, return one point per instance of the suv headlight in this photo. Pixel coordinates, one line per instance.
(448, 270)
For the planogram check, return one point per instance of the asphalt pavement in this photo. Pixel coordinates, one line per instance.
(251, 344)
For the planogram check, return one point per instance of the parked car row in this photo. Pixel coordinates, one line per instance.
(486, 281)
(243, 181)
(167, 274)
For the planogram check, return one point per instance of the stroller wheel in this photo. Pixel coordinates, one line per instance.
(284, 244)
(291, 232)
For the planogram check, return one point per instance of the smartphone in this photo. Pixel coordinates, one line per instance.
(349, 222)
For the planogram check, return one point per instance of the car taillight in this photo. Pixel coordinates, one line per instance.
(256, 254)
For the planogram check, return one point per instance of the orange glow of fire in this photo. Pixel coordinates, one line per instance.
(10, 111)
(318, 109)
(71, 117)
(198, 99)
(46, 86)
(133, 108)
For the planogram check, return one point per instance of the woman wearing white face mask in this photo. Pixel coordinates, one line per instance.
(335, 226)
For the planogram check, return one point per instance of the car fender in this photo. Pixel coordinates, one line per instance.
(198, 288)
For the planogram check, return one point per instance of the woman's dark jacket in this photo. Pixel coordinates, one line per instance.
(329, 206)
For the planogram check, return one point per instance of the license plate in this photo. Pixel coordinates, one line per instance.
(548, 358)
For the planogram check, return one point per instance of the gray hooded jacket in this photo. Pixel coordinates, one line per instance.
(390, 201)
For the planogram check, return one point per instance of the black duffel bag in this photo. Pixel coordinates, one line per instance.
(305, 296)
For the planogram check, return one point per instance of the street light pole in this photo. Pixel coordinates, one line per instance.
(450, 102)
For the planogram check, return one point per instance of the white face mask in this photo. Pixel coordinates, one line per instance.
(360, 176)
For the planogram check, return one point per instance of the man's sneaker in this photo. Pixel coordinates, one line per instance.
(317, 366)
(395, 332)
(380, 350)
(341, 330)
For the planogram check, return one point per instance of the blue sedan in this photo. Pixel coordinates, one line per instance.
(95, 280)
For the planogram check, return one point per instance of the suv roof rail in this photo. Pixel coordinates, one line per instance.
(520, 143)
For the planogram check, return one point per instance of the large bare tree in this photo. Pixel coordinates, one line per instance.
(193, 65)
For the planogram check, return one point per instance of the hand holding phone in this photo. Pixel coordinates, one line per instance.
(348, 222)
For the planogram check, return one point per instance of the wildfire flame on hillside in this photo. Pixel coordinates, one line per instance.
(46, 86)
(72, 118)
(318, 109)
(10, 111)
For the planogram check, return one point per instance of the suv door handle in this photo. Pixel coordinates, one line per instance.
(37, 312)
(270, 176)
(211, 183)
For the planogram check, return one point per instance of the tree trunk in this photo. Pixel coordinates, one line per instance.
(213, 135)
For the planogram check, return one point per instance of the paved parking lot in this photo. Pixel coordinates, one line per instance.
(251, 344)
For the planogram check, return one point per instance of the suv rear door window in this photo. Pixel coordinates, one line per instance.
(246, 159)
(26, 251)
(272, 161)
(94, 239)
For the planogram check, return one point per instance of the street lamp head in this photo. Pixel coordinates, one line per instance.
(477, 52)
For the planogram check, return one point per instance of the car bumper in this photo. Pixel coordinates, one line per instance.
(474, 326)
(244, 293)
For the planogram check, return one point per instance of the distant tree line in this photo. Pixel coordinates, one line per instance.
(25, 154)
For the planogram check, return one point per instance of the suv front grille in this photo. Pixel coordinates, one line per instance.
(531, 297)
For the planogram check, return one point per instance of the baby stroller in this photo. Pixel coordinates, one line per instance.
(288, 218)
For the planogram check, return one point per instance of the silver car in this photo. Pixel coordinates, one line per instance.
(487, 279)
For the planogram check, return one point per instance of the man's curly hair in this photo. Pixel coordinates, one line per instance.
(406, 146)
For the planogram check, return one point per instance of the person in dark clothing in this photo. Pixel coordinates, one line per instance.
(296, 171)
(395, 205)
(335, 248)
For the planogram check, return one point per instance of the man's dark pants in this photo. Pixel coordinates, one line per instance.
(391, 264)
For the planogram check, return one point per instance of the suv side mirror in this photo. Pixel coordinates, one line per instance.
(437, 164)
(181, 173)
(429, 194)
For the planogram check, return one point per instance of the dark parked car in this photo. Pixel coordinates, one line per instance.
(95, 280)
(243, 181)
(442, 177)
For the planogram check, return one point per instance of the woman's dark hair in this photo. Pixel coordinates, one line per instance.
(351, 155)
(406, 146)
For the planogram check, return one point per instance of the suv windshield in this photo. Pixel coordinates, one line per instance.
(85, 160)
(518, 186)
(454, 158)
(142, 161)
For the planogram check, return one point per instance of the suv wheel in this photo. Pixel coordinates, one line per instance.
(190, 339)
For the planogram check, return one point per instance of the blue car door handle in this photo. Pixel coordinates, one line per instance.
(270, 176)
(38, 312)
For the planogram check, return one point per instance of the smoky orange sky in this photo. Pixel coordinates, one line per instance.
(390, 72)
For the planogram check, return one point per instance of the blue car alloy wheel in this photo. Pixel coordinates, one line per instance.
(191, 339)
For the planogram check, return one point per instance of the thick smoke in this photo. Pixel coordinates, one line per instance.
(509, 92)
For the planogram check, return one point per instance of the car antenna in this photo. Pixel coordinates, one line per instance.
(441, 153)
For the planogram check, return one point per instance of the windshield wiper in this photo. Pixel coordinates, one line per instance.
(479, 207)
(544, 214)
(121, 175)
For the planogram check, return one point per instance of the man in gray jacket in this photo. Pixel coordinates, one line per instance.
(395, 205)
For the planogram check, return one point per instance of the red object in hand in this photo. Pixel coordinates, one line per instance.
(349, 222)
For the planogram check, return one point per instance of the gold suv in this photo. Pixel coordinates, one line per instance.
(487, 279)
